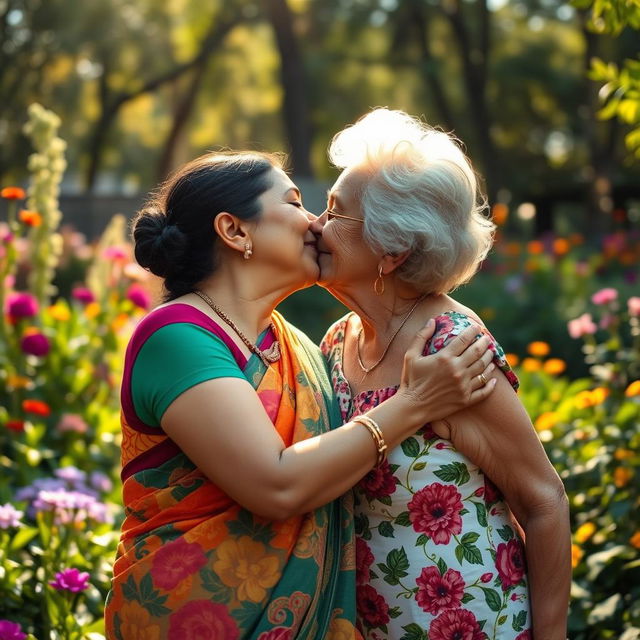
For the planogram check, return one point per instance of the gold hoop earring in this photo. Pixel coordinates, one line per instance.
(247, 251)
(378, 284)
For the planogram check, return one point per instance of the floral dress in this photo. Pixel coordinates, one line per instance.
(438, 556)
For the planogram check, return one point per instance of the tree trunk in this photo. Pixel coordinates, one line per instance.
(295, 108)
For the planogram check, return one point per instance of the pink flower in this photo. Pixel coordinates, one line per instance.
(435, 510)
(202, 620)
(176, 561)
(139, 296)
(115, 253)
(437, 593)
(21, 305)
(372, 607)
(486, 577)
(35, 344)
(525, 635)
(379, 482)
(633, 304)
(72, 422)
(364, 560)
(456, 624)
(581, 326)
(604, 296)
(510, 563)
(9, 516)
(11, 631)
(279, 633)
(83, 295)
(71, 580)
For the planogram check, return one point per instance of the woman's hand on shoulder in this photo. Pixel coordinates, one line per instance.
(456, 377)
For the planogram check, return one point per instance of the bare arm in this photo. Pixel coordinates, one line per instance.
(223, 428)
(498, 436)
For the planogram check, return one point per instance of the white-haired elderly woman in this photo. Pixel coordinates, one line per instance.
(463, 530)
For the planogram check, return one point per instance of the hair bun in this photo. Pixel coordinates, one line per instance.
(158, 244)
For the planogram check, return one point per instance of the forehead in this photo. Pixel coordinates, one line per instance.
(281, 182)
(348, 186)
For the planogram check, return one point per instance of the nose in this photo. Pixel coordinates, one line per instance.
(317, 225)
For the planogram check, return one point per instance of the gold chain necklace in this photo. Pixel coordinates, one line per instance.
(395, 333)
(272, 354)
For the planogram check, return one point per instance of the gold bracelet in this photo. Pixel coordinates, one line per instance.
(376, 434)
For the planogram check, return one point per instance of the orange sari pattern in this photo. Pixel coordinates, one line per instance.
(191, 562)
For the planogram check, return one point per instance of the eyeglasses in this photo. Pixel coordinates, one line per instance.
(332, 214)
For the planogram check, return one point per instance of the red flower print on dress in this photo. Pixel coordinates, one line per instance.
(364, 560)
(510, 563)
(456, 624)
(435, 510)
(525, 635)
(175, 562)
(491, 492)
(202, 620)
(437, 593)
(279, 633)
(372, 607)
(379, 482)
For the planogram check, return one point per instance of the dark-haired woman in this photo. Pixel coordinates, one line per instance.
(233, 461)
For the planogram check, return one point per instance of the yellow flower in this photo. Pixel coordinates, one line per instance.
(531, 364)
(554, 366)
(92, 310)
(546, 420)
(583, 400)
(585, 531)
(538, 348)
(512, 359)
(623, 454)
(119, 321)
(59, 312)
(599, 395)
(135, 622)
(18, 382)
(621, 476)
(245, 565)
(633, 389)
(635, 540)
(341, 629)
(576, 555)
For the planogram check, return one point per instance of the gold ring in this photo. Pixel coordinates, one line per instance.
(483, 379)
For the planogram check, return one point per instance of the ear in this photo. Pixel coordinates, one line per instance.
(390, 261)
(231, 230)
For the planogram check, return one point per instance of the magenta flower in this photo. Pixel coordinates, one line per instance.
(584, 325)
(604, 296)
(115, 253)
(71, 580)
(9, 516)
(11, 631)
(35, 344)
(139, 296)
(435, 510)
(633, 305)
(84, 295)
(21, 305)
(510, 563)
(437, 593)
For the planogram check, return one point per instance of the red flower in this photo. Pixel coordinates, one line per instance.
(37, 407)
(176, 561)
(372, 607)
(491, 492)
(13, 193)
(15, 425)
(279, 633)
(202, 620)
(438, 593)
(510, 563)
(379, 482)
(435, 510)
(364, 559)
(525, 635)
(30, 218)
(456, 624)
(486, 577)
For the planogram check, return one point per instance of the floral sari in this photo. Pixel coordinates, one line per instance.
(191, 562)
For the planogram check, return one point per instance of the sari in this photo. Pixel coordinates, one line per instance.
(192, 563)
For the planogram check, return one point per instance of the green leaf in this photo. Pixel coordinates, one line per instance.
(246, 525)
(385, 529)
(210, 581)
(455, 472)
(410, 447)
(248, 613)
(394, 612)
(130, 590)
(467, 597)
(519, 621)
(422, 540)
(469, 538)
(403, 519)
(471, 554)
(413, 632)
(420, 466)
(506, 533)
(481, 513)
(442, 566)
(22, 538)
(492, 598)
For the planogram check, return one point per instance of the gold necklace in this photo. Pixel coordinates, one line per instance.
(272, 354)
(395, 333)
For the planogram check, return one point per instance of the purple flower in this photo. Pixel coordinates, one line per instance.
(11, 631)
(139, 296)
(82, 294)
(35, 344)
(21, 305)
(100, 481)
(71, 474)
(71, 580)
(9, 516)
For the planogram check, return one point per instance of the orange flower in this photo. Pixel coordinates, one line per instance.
(341, 629)
(538, 348)
(546, 420)
(92, 310)
(583, 400)
(561, 246)
(623, 454)
(554, 366)
(585, 531)
(499, 213)
(599, 395)
(576, 238)
(576, 555)
(512, 359)
(13, 193)
(136, 622)
(531, 364)
(535, 247)
(37, 407)
(621, 476)
(18, 382)
(633, 389)
(512, 249)
(635, 540)
(30, 218)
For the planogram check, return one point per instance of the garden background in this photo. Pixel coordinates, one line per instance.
(99, 101)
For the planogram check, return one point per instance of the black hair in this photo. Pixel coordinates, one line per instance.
(173, 233)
